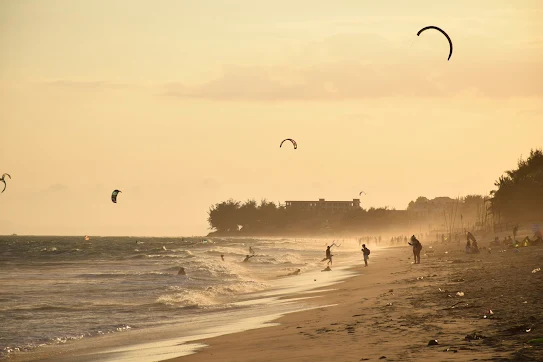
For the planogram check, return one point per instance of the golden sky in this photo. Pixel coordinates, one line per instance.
(181, 104)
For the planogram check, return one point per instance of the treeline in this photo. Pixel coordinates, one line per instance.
(519, 198)
(267, 218)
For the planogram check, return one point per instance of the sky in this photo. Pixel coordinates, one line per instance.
(183, 104)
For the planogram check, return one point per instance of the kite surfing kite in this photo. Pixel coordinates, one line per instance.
(291, 140)
(4, 181)
(114, 196)
(362, 192)
(443, 32)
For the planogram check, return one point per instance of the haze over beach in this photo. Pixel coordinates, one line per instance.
(183, 104)
(401, 220)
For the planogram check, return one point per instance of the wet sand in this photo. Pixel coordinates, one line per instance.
(393, 310)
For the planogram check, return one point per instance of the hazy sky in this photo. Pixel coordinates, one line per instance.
(182, 104)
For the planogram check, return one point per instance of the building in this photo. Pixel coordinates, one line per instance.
(322, 205)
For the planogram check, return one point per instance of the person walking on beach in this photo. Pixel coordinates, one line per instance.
(366, 253)
(417, 247)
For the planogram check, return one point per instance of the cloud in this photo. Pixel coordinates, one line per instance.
(85, 85)
(210, 183)
(352, 80)
(57, 188)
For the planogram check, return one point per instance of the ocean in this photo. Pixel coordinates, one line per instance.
(55, 289)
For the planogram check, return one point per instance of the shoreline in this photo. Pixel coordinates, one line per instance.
(288, 294)
(394, 310)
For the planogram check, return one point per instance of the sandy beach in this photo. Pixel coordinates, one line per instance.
(395, 308)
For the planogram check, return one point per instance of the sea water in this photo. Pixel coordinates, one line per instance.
(58, 289)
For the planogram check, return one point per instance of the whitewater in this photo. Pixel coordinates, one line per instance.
(62, 289)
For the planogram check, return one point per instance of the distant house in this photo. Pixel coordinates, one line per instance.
(322, 205)
(434, 207)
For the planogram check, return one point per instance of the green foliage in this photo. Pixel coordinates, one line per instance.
(519, 196)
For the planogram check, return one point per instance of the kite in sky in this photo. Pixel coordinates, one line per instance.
(291, 140)
(4, 181)
(114, 196)
(443, 32)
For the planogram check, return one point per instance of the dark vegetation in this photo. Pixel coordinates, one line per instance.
(519, 198)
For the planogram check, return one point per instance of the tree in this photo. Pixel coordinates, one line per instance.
(520, 192)
(223, 217)
(248, 216)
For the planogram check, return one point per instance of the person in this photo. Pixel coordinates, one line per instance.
(366, 253)
(474, 247)
(328, 254)
(538, 236)
(181, 271)
(417, 247)
(496, 241)
(222, 257)
(469, 236)
(247, 257)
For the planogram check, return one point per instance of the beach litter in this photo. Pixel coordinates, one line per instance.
(433, 342)
(536, 341)
(460, 294)
(488, 314)
(536, 270)
(474, 336)
(451, 350)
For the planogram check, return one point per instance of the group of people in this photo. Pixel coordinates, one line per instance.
(415, 243)
(512, 242)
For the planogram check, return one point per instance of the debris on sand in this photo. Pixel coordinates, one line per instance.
(433, 342)
(536, 341)
(536, 270)
(474, 336)
(488, 314)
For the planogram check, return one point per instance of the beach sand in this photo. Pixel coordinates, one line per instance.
(394, 308)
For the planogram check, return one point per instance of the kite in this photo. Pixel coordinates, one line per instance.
(443, 32)
(114, 196)
(291, 140)
(4, 181)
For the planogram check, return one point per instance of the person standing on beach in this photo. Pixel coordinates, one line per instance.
(417, 247)
(366, 253)
(328, 254)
